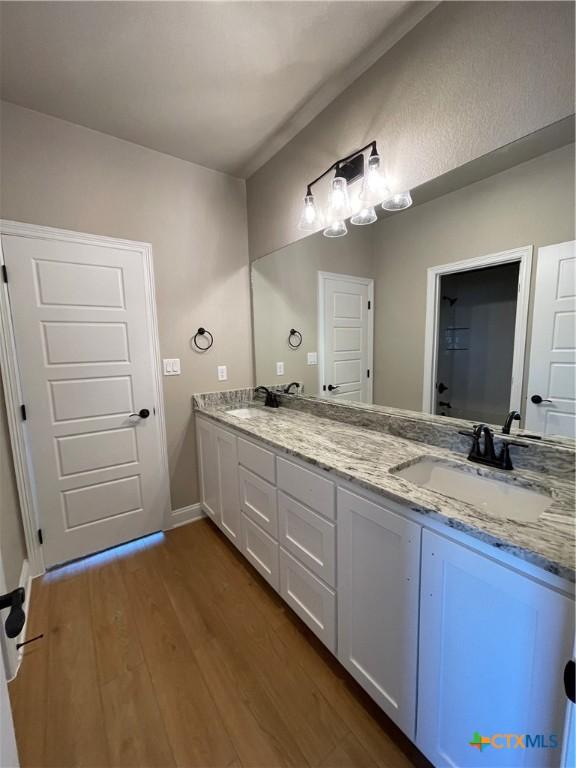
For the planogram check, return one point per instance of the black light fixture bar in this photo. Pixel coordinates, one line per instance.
(350, 167)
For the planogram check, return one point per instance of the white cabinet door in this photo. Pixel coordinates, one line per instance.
(228, 497)
(208, 467)
(378, 591)
(493, 647)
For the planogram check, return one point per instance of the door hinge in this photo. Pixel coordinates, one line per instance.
(368, 373)
(23, 412)
(40, 536)
(4, 273)
(369, 304)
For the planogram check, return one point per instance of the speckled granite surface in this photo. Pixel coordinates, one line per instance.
(367, 456)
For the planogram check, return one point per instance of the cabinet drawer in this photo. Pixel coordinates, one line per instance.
(308, 487)
(257, 459)
(261, 550)
(258, 501)
(312, 600)
(309, 537)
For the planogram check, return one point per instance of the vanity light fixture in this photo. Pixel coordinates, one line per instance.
(365, 215)
(338, 206)
(311, 218)
(339, 202)
(337, 228)
(398, 202)
(374, 187)
(374, 191)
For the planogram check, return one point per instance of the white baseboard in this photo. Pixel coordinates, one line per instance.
(186, 515)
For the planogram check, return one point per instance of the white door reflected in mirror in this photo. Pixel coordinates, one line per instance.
(551, 392)
(345, 336)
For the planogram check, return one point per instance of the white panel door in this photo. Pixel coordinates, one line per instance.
(346, 337)
(553, 351)
(83, 341)
(493, 647)
(378, 593)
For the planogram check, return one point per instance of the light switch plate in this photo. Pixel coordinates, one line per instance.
(222, 373)
(171, 366)
(312, 358)
(279, 369)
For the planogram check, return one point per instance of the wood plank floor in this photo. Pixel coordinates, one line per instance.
(173, 651)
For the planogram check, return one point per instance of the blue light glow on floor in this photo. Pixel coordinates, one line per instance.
(107, 556)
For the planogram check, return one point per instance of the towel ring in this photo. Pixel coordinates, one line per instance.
(294, 334)
(205, 333)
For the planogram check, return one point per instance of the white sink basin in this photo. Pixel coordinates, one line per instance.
(498, 498)
(245, 413)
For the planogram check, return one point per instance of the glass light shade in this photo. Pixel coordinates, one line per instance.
(310, 219)
(374, 187)
(364, 216)
(339, 202)
(398, 202)
(336, 229)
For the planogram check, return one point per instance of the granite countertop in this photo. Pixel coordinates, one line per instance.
(366, 457)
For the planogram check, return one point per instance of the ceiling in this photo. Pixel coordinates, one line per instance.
(222, 84)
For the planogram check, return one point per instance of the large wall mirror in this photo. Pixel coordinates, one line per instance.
(462, 306)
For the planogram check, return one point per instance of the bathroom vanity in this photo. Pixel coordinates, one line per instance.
(450, 615)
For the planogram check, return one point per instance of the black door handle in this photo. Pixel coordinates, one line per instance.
(331, 388)
(16, 618)
(143, 413)
(537, 399)
(570, 680)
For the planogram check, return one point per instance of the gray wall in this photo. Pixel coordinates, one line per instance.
(62, 175)
(469, 78)
(531, 204)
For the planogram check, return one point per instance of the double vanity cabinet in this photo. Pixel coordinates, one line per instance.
(447, 636)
